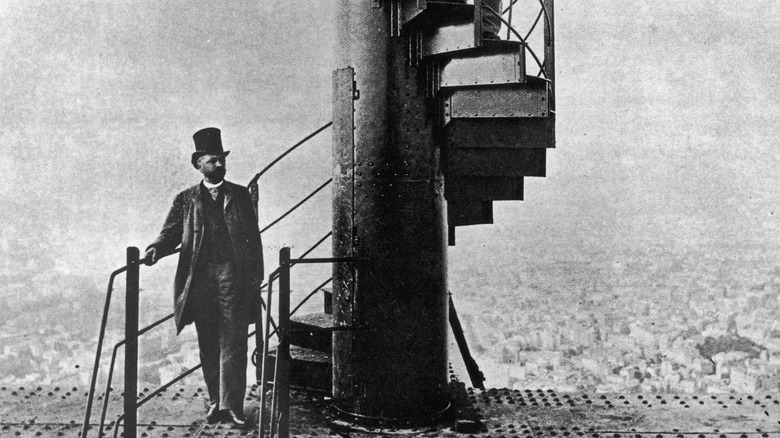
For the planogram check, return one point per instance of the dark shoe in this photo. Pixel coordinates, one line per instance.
(238, 420)
(214, 414)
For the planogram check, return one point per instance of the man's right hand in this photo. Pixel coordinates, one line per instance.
(150, 257)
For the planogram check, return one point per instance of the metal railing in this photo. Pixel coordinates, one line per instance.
(279, 425)
(546, 66)
(132, 333)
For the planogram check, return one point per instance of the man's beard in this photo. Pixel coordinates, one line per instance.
(217, 175)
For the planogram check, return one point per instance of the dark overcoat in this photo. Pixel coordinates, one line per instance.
(184, 225)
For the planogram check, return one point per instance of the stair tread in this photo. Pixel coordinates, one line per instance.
(495, 162)
(469, 213)
(304, 354)
(441, 12)
(464, 189)
(489, 47)
(496, 62)
(526, 132)
(519, 100)
(315, 320)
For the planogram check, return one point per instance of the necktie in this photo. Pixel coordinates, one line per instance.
(214, 192)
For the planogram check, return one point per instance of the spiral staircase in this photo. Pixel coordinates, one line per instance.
(497, 119)
(496, 123)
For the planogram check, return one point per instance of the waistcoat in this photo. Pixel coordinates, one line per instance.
(216, 247)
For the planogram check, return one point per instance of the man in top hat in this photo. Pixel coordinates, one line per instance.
(219, 273)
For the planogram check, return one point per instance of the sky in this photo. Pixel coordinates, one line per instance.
(667, 123)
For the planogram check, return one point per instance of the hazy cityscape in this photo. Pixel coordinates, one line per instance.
(697, 321)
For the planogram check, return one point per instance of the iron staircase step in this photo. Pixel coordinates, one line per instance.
(495, 62)
(443, 28)
(530, 99)
(421, 14)
(495, 162)
(504, 132)
(469, 213)
(469, 189)
(310, 331)
(309, 369)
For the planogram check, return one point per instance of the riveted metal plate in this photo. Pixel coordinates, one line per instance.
(413, 154)
(459, 188)
(438, 13)
(309, 331)
(523, 100)
(500, 63)
(448, 39)
(469, 213)
(51, 411)
(343, 218)
(495, 162)
(527, 132)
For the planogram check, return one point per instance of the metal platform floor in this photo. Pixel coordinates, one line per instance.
(58, 412)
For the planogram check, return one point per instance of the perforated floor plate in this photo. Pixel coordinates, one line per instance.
(59, 412)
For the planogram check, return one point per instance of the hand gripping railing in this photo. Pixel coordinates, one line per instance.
(131, 321)
(280, 399)
(187, 372)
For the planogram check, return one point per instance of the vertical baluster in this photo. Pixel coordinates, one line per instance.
(283, 352)
(131, 348)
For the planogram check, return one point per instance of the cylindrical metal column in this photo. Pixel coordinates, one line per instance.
(388, 213)
(131, 347)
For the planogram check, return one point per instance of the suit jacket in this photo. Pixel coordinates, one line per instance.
(184, 225)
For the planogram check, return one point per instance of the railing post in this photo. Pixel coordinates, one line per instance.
(549, 47)
(283, 352)
(131, 348)
(254, 191)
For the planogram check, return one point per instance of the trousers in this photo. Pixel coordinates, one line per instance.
(222, 336)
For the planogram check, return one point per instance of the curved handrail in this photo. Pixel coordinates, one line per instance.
(543, 11)
(103, 324)
(154, 394)
(189, 371)
(101, 336)
(295, 146)
(111, 370)
(275, 274)
(520, 37)
(104, 321)
(281, 384)
(296, 205)
(533, 26)
(311, 294)
(303, 301)
(166, 318)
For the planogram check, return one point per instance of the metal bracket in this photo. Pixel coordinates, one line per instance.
(395, 18)
(415, 48)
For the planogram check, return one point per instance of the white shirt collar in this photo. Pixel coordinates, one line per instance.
(211, 186)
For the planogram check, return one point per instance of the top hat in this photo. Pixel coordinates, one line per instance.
(208, 141)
